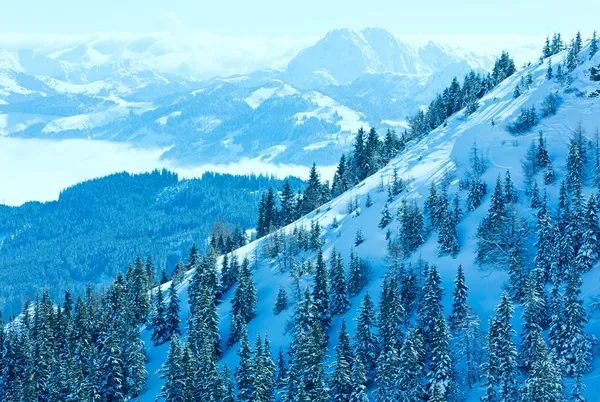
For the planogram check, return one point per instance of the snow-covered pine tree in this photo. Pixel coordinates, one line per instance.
(281, 371)
(432, 206)
(172, 372)
(358, 382)
(549, 74)
(440, 363)
(282, 301)
(359, 237)
(412, 369)
(588, 252)
(544, 383)
(365, 341)
(244, 374)
(545, 256)
(536, 201)
(431, 305)
(505, 351)
(287, 199)
(339, 301)
(341, 383)
(159, 325)
(172, 313)
(531, 327)
(576, 344)
(448, 242)
(386, 217)
(460, 308)
(388, 365)
(391, 316)
(412, 227)
(320, 293)
(575, 163)
(244, 298)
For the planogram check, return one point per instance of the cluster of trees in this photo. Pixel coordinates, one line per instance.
(96, 225)
(369, 154)
(87, 349)
(573, 59)
(455, 97)
(292, 206)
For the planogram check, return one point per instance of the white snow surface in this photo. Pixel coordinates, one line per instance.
(424, 162)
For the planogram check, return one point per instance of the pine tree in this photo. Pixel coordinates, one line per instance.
(517, 272)
(505, 351)
(341, 385)
(359, 237)
(391, 316)
(282, 301)
(320, 293)
(544, 382)
(312, 198)
(411, 371)
(433, 207)
(440, 367)
(546, 242)
(369, 201)
(597, 161)
(448, 242)
(549, 74)
(517, 91)
(535, 196)
(593, 45)
(172, 372)
(164, 277)
(111, 377)
(412, 227)
(532, 328)
(244, 374)
(172, 313)
(288, 204)
(430, 308)
(360, 157)
(588, 253)
(575, 351)
(386, 217)
(339, 301)
(358, 382)
(365, 342)
(460, 308)
(244, 298)
(574, 167)
(159, 324)
(387, 375)
(281, 371)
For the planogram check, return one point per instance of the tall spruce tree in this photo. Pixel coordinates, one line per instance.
(365, 342)
(460, 308)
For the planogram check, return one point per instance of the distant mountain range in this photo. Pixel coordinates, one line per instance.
(303, 113)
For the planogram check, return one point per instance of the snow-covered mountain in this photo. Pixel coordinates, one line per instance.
(446, 150)
(303, 113)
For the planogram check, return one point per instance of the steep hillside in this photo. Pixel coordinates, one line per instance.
(446, 149)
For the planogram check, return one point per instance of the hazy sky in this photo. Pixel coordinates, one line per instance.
(298, 19)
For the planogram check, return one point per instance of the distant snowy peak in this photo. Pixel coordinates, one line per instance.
(343, 55)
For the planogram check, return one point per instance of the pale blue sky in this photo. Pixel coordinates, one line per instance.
(297, 19)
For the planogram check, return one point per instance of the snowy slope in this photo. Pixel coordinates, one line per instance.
(425, 162)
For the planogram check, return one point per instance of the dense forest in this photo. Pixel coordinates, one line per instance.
(96, 226)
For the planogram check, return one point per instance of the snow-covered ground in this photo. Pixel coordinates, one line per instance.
(446, 148)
